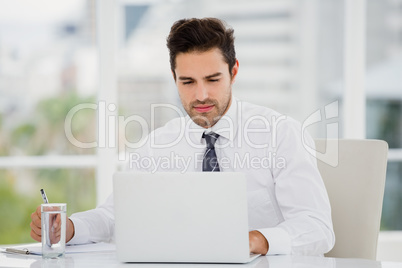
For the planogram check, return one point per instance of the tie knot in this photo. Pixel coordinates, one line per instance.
(210, 139)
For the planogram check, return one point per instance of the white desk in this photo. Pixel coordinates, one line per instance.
(87, 260)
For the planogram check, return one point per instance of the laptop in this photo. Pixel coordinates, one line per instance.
(194, 217)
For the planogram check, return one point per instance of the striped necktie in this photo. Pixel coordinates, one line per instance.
(210, 161)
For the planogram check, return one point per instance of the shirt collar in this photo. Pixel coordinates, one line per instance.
(226, 127)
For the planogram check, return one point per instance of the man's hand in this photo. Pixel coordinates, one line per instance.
(258, 243)
(36, 228)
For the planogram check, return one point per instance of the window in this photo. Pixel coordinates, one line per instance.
(48, 65)
(384, 98)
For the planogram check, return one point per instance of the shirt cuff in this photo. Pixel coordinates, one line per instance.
(278, 240)
(81, 232)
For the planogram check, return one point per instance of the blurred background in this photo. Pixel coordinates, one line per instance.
(291, 55)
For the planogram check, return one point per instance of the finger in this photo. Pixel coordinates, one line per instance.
(57, 229)
(55, 226)
(36, 220)
(56, 222)
(35, 236)
(55, 240)
(250, 242)
(38, 212)
(251, 247)
(54, 237)
(35, 229)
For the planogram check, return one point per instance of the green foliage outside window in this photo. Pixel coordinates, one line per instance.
(42, 133)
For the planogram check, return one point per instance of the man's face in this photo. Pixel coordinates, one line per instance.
(205, 85)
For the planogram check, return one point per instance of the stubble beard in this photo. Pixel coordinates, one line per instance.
(208, 119)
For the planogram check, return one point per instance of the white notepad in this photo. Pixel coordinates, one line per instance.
(36, 248)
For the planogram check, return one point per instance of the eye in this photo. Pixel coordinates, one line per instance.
(187, 82)
(213, 80)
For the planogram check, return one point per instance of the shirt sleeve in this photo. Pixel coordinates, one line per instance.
(97, 225)
(302, 198)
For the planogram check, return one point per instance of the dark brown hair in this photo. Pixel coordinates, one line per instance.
(188, 35)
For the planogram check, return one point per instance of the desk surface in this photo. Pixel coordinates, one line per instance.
(109, 260)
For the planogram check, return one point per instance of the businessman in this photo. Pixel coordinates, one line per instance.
(289, 211)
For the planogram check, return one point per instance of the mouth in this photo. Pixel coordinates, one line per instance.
(203, 108)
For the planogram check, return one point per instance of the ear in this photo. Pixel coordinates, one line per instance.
(235, 70)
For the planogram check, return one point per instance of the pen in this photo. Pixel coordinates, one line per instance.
(19, 251)
(44, 197)
(46, 201)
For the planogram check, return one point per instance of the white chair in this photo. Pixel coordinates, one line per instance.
(356, 189)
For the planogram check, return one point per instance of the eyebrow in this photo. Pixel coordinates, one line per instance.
(185, 78)
(206, 77)
(213, 75)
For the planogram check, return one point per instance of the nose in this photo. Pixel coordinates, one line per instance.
(201, 92)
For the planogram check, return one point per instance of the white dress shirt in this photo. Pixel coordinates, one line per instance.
(287, 199)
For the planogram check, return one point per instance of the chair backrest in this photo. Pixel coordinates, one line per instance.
(356, 189)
